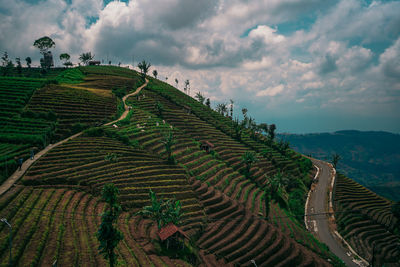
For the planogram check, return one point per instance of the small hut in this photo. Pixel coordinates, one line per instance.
(172, 235)
(94, 63)
(207, 146)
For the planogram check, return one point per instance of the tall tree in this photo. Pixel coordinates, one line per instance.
(335, 159)
(231, 107)
(168, 141)
(19, 66)
(108, 235)
(44, 44)
(65, 57)
(86, 57)
(7, 64)
(155, 73)
(200, 97)
(271, 132)
(176, 81)
(187, 86)
(144, 68)
(208, 103)
(28, 62)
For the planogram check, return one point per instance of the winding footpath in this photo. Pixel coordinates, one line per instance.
(27, 163)
(319, 203)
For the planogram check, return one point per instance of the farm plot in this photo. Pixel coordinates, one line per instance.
(95, 161)
(222, 123)
(74, 108)
(237, 236)
(60, 225)
(17, 132)
(366, 221)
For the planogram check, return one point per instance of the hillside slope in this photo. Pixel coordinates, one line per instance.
(225, 208)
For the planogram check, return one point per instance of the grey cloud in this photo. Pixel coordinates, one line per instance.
(327, 65)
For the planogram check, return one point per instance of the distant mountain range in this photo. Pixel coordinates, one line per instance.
(370, 158)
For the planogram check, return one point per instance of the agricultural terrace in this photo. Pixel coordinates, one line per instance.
(59, 224)
(19, 131)
(366, 221)
(224, 209)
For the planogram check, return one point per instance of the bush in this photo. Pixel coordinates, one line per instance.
(94, 132)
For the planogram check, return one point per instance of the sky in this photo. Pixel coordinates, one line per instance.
(305, 65)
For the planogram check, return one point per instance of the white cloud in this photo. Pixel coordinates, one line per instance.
(267, 34)
(271, 91)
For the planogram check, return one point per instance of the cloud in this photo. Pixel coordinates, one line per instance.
(271, 91)
(277, 57)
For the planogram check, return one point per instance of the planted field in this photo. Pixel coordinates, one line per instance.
(366, 221)
(19, 131)
(72, 107)
(59, 225)
(95, 161)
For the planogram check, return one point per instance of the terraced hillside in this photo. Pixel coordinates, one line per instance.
(225, 210)
(366, 221)
(19, 131)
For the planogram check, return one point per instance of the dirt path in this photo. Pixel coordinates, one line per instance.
(27, 163)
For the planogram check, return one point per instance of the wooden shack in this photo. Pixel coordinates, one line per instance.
(173, 236)
(207, 146)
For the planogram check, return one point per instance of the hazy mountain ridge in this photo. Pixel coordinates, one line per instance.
(371, 158)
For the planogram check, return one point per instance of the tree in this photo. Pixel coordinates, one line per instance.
(335, 159)
(263, 127)
(155, 73)
(276, 186)
(159, 108)
(108, 235)
(168, 141)
(144, 68)
(200, 97)
(231, 107)
(208, 103)
(7, 64)
(65, 57)
(248, 158)
(86, 57)
(271, 132)
(19, 66)
(221, 108)
(28, 62)
(187, 86)
(176, 81)
(162, 212)
(44, 44)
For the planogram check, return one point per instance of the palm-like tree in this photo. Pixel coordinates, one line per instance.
(155, 210)
(276, 185)
(144, 67)
(155, 73)
(168, 141)
(86, 57)
(187, 86)
(335, 159)
(222, 108)
(248, 158)
(200, 97)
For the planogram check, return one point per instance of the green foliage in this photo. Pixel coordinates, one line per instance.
(162, 212)
(159, 108)
(144, 67)
(111, 157)
(119, 92)
(71, 76)
(86, 57)
(248, 158)
(108, 235)
(168, 141)
(335, 159)
(296, 202)
(44, 44)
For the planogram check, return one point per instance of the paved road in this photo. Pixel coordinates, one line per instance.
(319, 224)
(25, 166)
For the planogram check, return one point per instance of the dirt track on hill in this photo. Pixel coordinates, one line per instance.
(25, 166)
